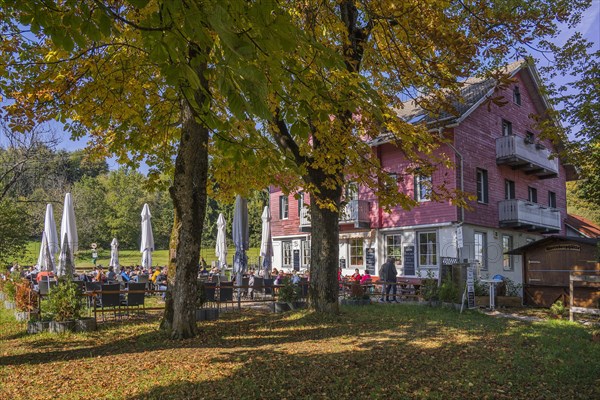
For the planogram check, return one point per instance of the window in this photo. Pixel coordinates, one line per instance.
(482, 186)
(506, 128)
(532, 194)
(393, 246)
(552, 199)
(516, 95)
(427, 249)
(507, 244)
(352, 191)
(422, 187)
(356, 252)
(283, 207)
(300, 203)
(529, 137)
(306, 253)
(286, 259)
(480, 240)
(509, 189)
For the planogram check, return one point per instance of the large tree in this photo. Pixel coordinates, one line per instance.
(324, 112)
(136, 76)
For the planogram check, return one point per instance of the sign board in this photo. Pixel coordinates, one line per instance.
(94, 254)
(409, 260)
(449, 260)
(371, 260)
(94, 245)
(470, 287)
(342, 263)
(296, 260)
(459, 237)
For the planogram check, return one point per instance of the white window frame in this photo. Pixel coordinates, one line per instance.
(306, 253)
(284, 209)
(356, 250)
(508, 263)
(480, 249)
(423, 185)
(396, 246)
(286, 253)
(482, 186)
(427, 258)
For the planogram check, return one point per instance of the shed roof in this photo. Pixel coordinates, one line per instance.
(584, 226)
(553, 239)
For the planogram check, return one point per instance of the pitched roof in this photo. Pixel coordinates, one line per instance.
(583, 226)
(474, 91)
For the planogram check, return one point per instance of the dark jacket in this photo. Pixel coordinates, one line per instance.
(388, 272)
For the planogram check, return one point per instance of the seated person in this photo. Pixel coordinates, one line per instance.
(279, 279)
(111, 275)
(356, 276)
(125, 274)
(40, 275)
(295, 278)
(366, 278)
(161, 281)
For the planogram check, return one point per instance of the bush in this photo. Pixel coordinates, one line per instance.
(481, 289)
(558, 309)
(449, 291)
(289, 292)
(25, 299)
(10, 290)
(64, 302)
(429, 288)
(512, 288)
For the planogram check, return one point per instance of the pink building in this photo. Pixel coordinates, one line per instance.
(498, 157)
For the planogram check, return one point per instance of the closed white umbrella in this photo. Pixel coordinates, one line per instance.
(266, 243)
(45, 259)
(114, 254)
(221, 245)
(240, 237)
(147, 244)
(69, 241)
(50, 230)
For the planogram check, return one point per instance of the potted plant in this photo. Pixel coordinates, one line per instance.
(358, 297)
(482, 295)
(64, 305)
(513, 295)
(287, 296)
(37, 325)
(10, 291)
(26, 300)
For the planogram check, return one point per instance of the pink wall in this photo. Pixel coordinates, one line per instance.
(288, 226)
(476, 138)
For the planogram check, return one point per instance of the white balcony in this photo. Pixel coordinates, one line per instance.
(532, 158)
(523, 214)
(354, 212)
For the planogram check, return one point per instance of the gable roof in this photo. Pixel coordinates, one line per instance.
(584, 226)
(474, 92)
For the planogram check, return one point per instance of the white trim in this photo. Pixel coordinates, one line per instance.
(578, 231)
(412, 227)
(291, 237)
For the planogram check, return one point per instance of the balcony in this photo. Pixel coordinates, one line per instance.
(521, 214)
(355, 212)
(531, 158)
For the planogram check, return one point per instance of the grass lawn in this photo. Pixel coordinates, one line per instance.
(379, 351)
(132, 257)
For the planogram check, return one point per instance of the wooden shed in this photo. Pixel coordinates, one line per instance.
(547, 265)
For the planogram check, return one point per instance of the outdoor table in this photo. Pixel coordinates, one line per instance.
(492, 288)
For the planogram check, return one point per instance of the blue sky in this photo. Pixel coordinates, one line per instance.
(589, 27)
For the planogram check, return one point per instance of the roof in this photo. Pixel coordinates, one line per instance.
(553, 239)
(584, 226)
(474, 91)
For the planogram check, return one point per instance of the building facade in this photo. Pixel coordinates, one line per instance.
(498, 157)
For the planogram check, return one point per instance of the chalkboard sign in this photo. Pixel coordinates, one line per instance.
(371, 260)
(296, 260)
(409, 260)
(342, 263)
(470, 287)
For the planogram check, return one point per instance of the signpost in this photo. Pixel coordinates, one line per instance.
(469, 289)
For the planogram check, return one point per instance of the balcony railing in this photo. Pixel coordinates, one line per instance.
(355, 212)
(532, 158)
(526, 215)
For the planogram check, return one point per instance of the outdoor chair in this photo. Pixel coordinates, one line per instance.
(135, 299)
(45, 285)
(244, 287)
(210, 292)
(110, 301)
(258, 286)
(225, 293)
(268, 287)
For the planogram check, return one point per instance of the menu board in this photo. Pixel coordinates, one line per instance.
(342, 263)
(371, 260)
(296, 260)
(409, 260)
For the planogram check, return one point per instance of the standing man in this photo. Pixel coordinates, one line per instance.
(387, 273)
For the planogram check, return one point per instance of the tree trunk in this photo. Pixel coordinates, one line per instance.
(323, 292)
(167, 320)
(189, 198)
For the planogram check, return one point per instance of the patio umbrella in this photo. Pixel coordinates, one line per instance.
(266, 244)
(221, 245)
(50, 231)
(147, 244)
(69, 240)
(114, 254)
(240, 237)
(45, 259)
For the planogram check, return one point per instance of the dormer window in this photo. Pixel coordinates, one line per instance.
(516, 95)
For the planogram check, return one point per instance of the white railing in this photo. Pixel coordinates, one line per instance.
(523, 212)
(355, 211)
(512, 146)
